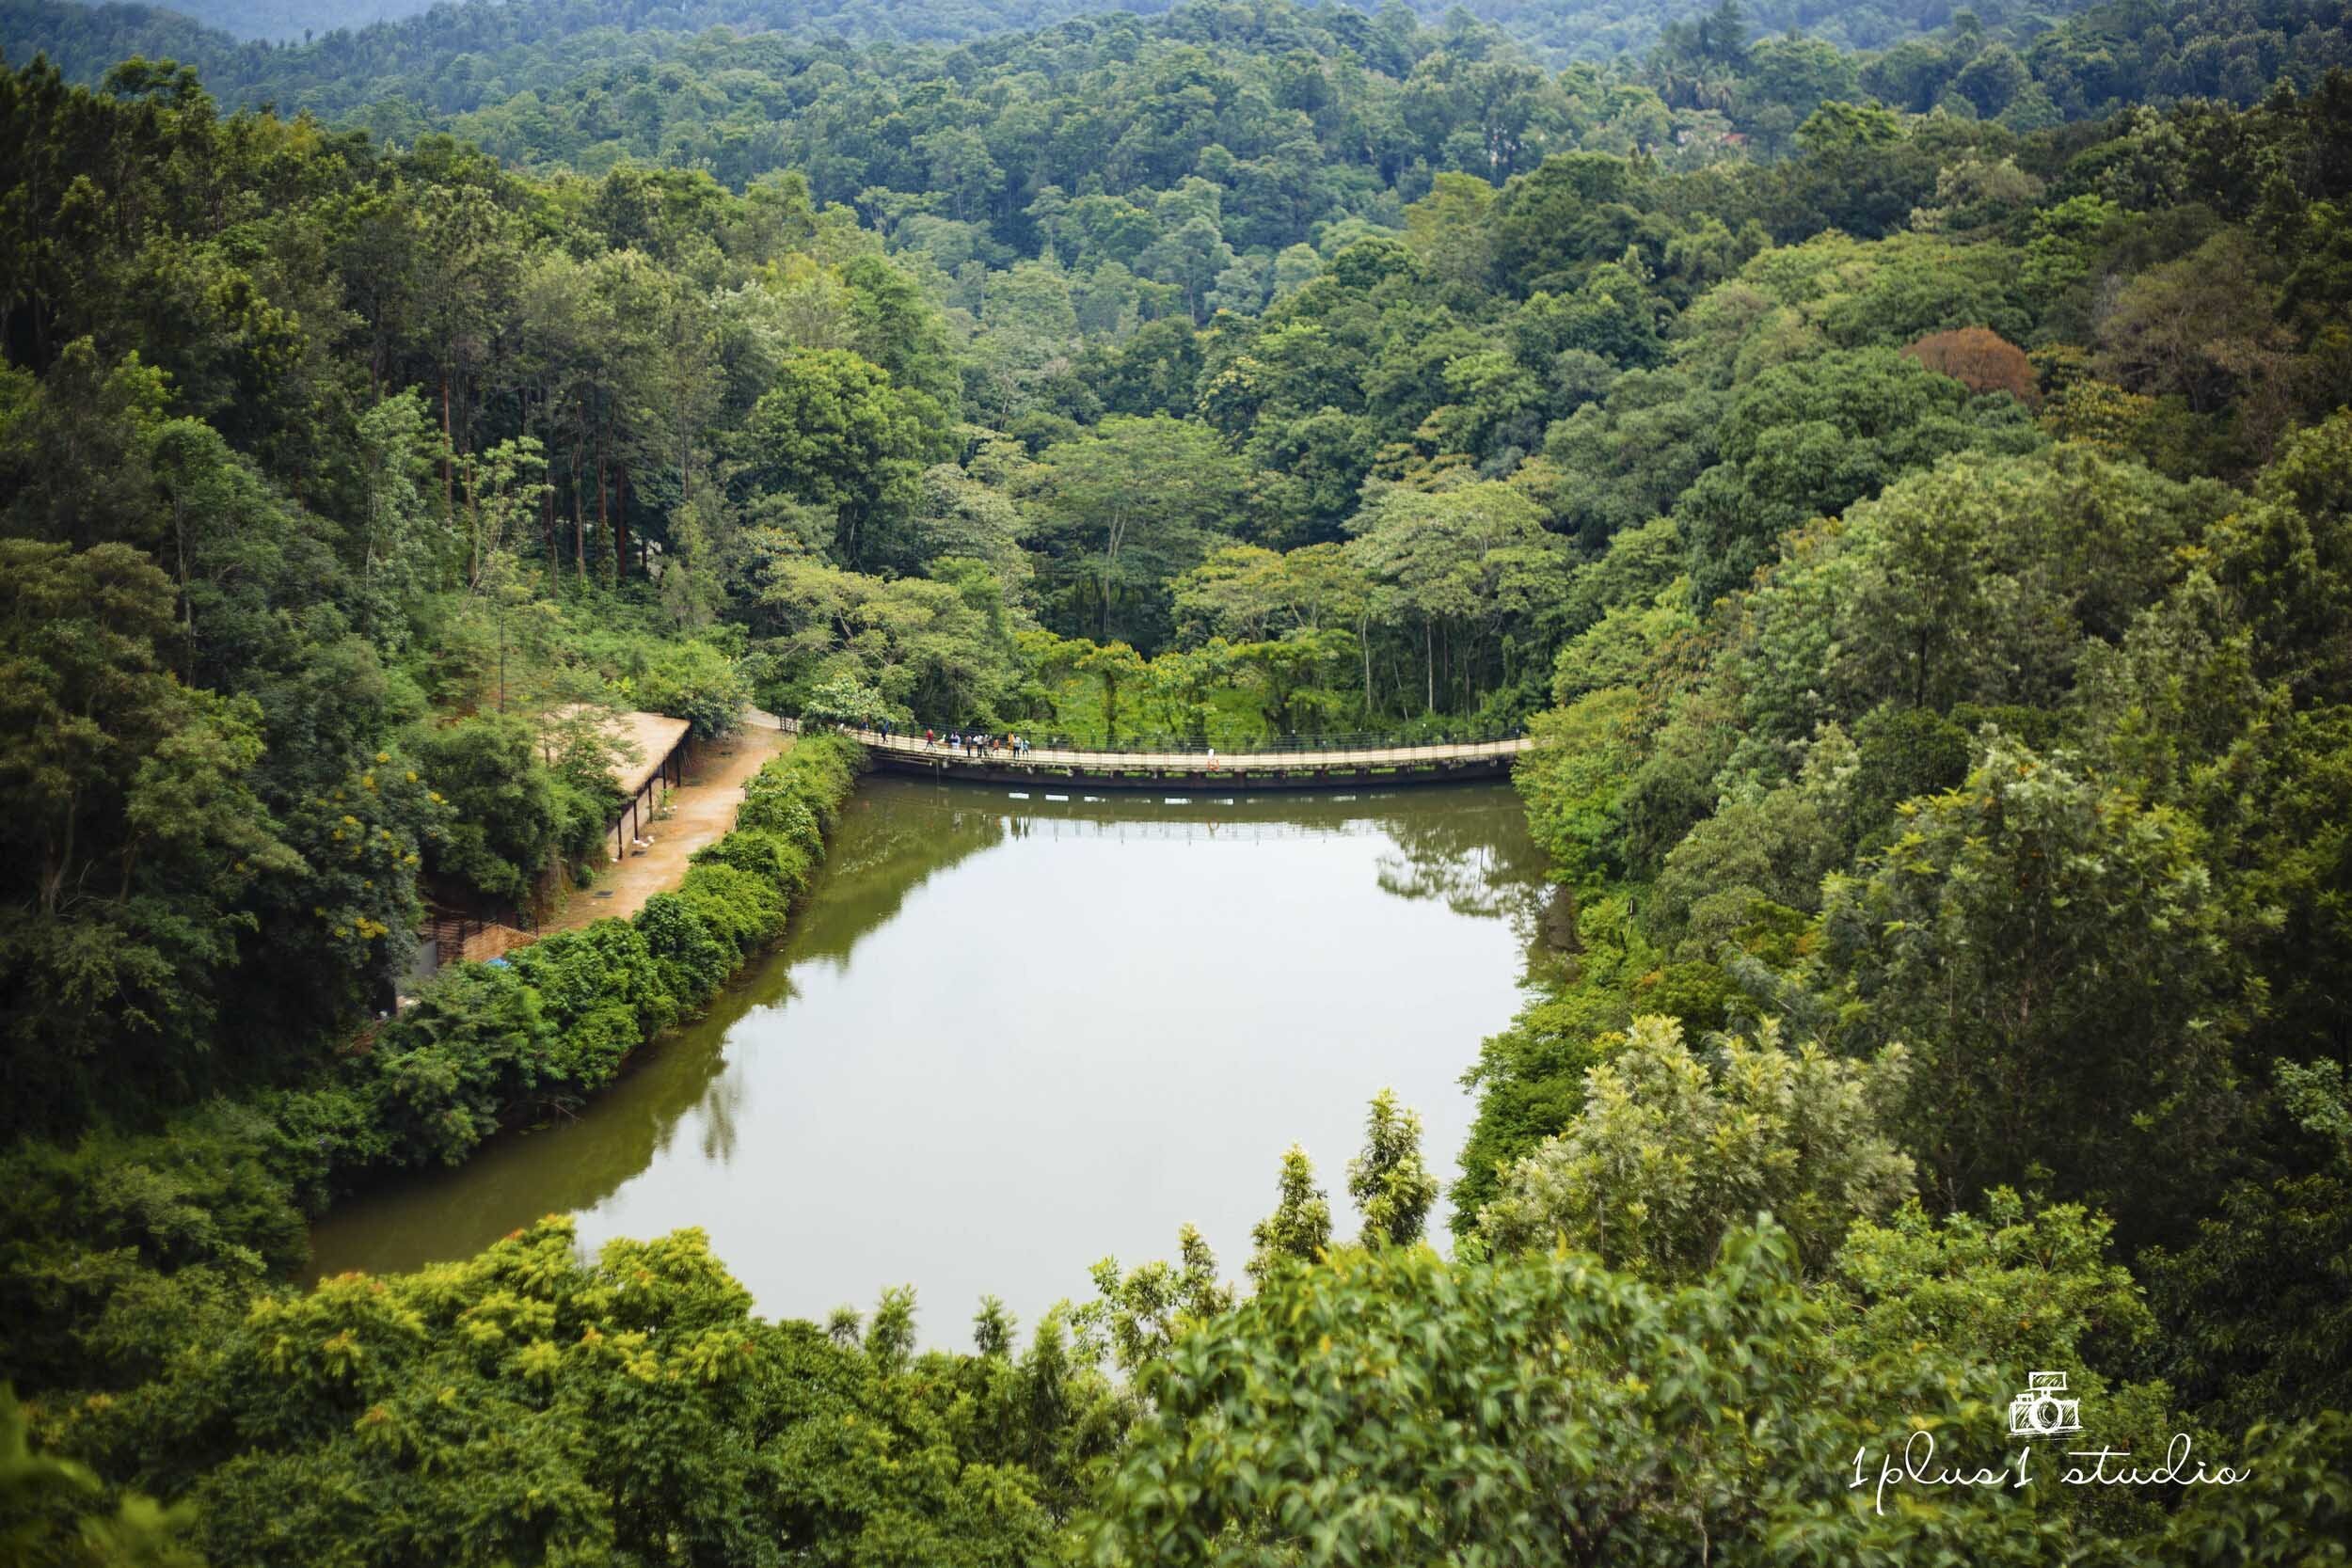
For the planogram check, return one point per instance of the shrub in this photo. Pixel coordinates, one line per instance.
(788, 816)
(451, 1067)
(800, 794)
(764, 853)
(582, 812)
(739, 908)
(694, 962)
(577, 972)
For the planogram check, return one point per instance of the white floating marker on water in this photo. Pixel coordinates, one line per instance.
(1064, 799)
(1016, 795)
(1176, 800)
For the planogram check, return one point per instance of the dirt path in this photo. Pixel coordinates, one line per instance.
(703, 808)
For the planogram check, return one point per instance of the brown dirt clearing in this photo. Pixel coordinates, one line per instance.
(701, 810)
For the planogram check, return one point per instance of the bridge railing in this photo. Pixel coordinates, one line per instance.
(1282, 746)
(1383, 751)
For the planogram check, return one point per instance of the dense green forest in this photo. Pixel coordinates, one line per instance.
(1902, 476)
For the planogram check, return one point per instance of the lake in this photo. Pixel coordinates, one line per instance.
(1007, 1038)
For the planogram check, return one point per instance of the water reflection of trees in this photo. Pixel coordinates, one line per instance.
(881, 851)
(892, 839)
(1481, 862)
(1468, 846)
(563, 1168)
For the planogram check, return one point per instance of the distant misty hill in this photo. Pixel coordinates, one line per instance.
(1558, 30)
(909, 20)
(293, 19)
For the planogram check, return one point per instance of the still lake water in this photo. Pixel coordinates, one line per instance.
(1007, 1038)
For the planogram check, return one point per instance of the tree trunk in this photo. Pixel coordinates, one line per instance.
(187, 605)
(579, 522)
(604, 499)
(620, 524)
(1429, 660)
(546, 526)
(546, 497)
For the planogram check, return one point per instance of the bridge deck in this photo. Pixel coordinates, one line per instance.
(1302, 769)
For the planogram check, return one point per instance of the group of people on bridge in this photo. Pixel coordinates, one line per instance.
(973, 745)
(980, 745)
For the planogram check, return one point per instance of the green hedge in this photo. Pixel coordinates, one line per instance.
(492, 1044)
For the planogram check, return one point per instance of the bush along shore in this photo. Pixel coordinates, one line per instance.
(99, 1238)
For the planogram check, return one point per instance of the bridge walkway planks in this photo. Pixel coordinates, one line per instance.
(1301, 769)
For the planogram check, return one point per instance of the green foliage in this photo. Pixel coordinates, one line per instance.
(522, 1403)
(113, 1250)
(1389, 1181)
(1668, 1154)
(1529, 1079)
(135, 837)
(1138, 1315)
(1809, 439)
(2013, 1289)
(844, 700)
(1575, 784)
(1299, 1229)
(49, 1514)
(2052, 950)
(833, 431)
(505, 820)
(2255, 1300)
(1123, 508)
(1514, 1410)
(698, 682)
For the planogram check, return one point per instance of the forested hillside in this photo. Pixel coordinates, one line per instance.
(1907, 493)
(1557, 29)
(863, 21)
(1743, 62)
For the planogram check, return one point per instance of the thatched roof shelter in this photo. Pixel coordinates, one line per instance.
(645, 741)
(654, 736)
